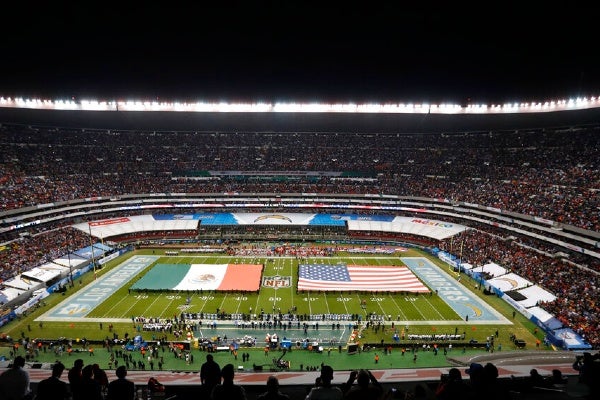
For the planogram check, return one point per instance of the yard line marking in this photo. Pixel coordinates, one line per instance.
(434, 309)
(345, 307)
(291, 273)
(157, 297)
(118, 303)
(132, 305)
(223, 302)
(327, 302)
(399, 309)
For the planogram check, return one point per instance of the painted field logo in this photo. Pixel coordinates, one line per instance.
(277, 281)
(203, 278)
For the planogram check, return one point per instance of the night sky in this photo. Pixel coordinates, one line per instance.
(300, 51)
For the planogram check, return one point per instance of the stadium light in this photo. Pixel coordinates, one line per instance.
(292, 107)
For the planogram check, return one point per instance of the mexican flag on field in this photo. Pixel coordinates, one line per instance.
(193, 277)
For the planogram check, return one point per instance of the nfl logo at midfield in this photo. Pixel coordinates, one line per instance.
(277, 281)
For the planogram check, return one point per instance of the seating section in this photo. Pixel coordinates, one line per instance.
(548, 173)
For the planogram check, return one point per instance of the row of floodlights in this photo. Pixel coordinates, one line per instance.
(410, 108)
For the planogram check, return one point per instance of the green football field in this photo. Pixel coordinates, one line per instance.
(412, 307)
(424, 314)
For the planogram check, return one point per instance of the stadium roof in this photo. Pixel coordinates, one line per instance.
(299, 122)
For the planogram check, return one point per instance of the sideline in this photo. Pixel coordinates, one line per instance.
(509, 366)
(74, 308)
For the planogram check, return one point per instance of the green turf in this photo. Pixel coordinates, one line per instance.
(422, 309)
(340, 361)
(124, 304)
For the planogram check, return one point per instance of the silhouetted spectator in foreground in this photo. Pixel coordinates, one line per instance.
(121, 388)
(588, 366)
(100, 377)
(273, 392)
(14, 382)
(228, 390)
(52, 388)
(210, 374)
(452, 386)
(557, 380)
(366, 388)
(74, 377)
(88, 389)
(325, 391)
(534, 380)
(492, 387)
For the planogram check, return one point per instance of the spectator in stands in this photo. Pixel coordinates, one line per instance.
(367, 387)
(588, 366)
(316, 384)
(88, 388)
(452, 386)
(273, 392)
(228, 390)
(475, 372)
(557, 380)
(74, 377)
(121, 388)
(532, 382)
(14, 382)
(210, 374)
(53, 388)
(489, 385)
(325, 391)
(100, 377)
(420, 392)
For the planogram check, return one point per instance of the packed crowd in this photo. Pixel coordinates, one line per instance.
(29, 252)
(577, 288)
(548, 173)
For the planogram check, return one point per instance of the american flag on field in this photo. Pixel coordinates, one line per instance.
(358, 277)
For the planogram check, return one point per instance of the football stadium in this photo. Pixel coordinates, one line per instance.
(281, 239)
